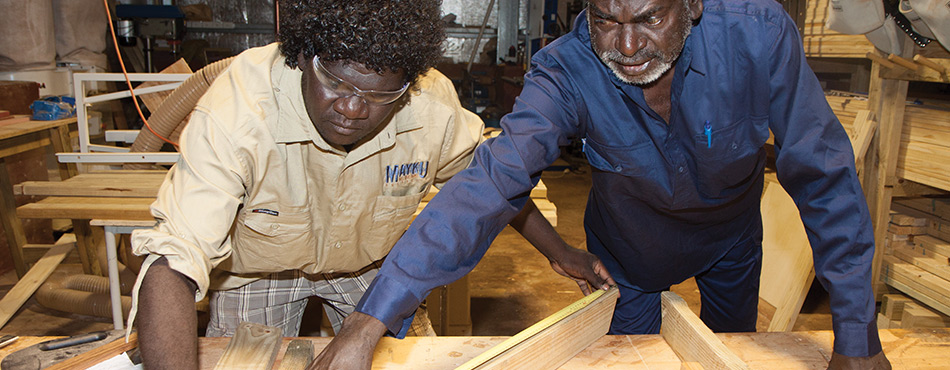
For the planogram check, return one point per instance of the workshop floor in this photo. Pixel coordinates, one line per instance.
(512, 288)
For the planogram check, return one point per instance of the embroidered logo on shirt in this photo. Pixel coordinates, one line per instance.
(401, 172)
(265, 211)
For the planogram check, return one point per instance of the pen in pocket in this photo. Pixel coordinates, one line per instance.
(707, 129)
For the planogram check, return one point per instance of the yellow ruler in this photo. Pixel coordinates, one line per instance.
(537, 328)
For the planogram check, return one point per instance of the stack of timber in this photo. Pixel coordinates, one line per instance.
(901, 312)
(924, 154)
(918, 262)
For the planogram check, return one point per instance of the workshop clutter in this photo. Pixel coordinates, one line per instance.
(53, 107)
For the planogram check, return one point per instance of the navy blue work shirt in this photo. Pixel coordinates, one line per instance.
(667, 199)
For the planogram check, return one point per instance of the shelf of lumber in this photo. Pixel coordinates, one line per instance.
(924, 153)
(906, 349)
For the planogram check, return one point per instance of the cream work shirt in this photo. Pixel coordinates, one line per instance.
(257, 189)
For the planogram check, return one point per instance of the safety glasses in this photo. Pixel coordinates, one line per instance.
(344, 89)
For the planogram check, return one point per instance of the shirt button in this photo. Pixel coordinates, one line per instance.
(681, 169)
(277, 89)
(341, 207)
(274, 226)
(618, 168)
(338, 245)
(735, 146)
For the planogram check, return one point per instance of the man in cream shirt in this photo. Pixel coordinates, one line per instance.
(300, 168)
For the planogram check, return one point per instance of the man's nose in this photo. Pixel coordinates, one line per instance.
(630, 41)
(352, 107)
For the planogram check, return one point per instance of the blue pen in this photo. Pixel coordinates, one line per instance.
(707, 129)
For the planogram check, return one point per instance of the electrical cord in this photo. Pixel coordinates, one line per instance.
(127, 80)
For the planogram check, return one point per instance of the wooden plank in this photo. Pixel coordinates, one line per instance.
(934, 245)
(910, 217)
(691, 339)
(254, 346)
(35, 277)
(118, 184)
(892, 305)
(906, 230)
(939, 229)
(888, 106)
(99, 354)
(88, 208)
(12, 228)
(885, 323)
(912, 256)
(154, 100)
(911, 285)
(543, 345)
(862, 132)
(298, 356)
(916, 316)
(938, 207)
(787, 265)
(926, 282)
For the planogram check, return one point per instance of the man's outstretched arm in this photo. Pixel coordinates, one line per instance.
(167, 321)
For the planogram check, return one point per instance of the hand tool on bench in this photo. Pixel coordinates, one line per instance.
(61, 350)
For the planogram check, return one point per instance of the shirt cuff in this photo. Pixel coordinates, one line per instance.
(390, 302)
(857, 339)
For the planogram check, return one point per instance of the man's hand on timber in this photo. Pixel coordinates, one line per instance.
(842, 362)
(583, 267)
(353, 346)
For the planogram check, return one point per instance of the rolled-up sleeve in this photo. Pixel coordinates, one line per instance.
(196, 204)
(815, 164)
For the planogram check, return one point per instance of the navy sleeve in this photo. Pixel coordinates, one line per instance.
(815, 164)
(457, 226)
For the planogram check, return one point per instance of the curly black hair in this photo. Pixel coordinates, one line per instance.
(382, 35)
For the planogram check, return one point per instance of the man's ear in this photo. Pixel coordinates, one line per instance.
(695, 9)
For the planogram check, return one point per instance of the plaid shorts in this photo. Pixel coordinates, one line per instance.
(279, 300)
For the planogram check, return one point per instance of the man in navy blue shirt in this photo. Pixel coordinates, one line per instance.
(674, 100)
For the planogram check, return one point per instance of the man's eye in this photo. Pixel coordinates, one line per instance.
(653, 21)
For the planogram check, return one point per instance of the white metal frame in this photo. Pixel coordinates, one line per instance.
(94, 153)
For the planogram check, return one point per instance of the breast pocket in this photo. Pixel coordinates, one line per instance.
(728, 157)
(391, 217)
(634, 160)
(270, 241)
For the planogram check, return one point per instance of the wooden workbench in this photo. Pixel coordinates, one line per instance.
(906, 349)
(19, 138)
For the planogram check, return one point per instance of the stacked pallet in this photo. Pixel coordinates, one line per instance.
(917, 255)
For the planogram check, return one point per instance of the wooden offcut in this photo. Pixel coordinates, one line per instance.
(916, 316)
(99, 354)
(298, 356)
(787, 265)
(35, 277)
(254, 346)
(691, 339)
(554, 340)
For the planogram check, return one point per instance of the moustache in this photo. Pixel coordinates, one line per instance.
(639, 57)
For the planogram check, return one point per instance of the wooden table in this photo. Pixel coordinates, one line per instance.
(119, 201)
(906, 349)
(19, 138)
